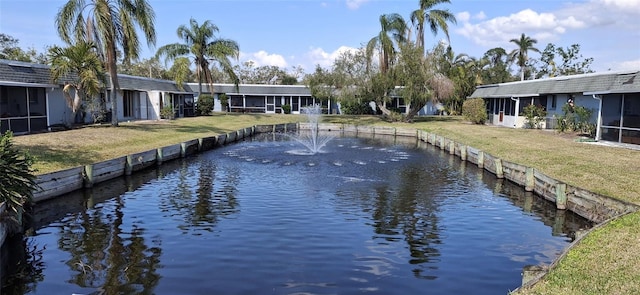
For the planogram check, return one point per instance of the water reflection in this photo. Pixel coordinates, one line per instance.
(363, 216)
(198, 195)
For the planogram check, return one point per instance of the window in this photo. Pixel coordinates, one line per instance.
(631, 115)
(554, 102)
(611, 108)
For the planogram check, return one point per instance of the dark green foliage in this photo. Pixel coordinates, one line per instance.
(204, 106)
(224, 101)
(17, 180)
(167, 113)
(289, 80)
(576, 119)
(356, 108)
(286, 109)
(475, 110)
(534, 115)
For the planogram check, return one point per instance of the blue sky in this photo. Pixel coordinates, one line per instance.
(287, 33)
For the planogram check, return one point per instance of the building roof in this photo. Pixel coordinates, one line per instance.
(23, 73)
(129, 82)
(593, 83)
(29, 74)
(255, 89)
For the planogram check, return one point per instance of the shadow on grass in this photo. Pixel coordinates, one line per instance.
(423, 119)
(372, 120)
(47, 159)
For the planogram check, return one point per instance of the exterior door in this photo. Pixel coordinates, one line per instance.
(271, 104)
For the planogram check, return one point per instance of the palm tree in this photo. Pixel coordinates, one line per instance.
(82, 61)
(393, 30)
(525, 44)
(111, 25)
(434, 18)
(387, 42)
(201, 43)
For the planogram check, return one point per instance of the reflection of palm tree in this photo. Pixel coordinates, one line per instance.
(103, 257)
(420, 224)
(214, 195)
(411, 214)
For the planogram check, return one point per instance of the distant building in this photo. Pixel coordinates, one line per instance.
(614, 98)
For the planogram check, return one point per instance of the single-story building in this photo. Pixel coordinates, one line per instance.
(31, 102)
(262, 98)
(614, 98)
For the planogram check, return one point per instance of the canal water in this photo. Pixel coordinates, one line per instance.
(379, 215)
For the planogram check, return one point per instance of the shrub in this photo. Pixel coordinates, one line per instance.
(394, 116)
(224, 101)
(286, 109)
(204, 106)
(576, 119)
(356, 108)
(17, 180)
(475, 110)
(534, 114)
(167, 113)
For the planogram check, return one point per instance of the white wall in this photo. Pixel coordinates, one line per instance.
(58, 111)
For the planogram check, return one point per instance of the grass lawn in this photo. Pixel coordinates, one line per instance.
(607, 261)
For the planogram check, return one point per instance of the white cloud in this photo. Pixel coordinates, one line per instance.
(496, 31)
(263, 58)
(355, 4)
(627, 65)
(633, 5)
(480, 15)
(463, 17)
(317, 56)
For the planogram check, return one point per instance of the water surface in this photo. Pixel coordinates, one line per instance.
(366, 215)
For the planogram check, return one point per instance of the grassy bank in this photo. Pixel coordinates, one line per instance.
(66, 149)
(606, 262)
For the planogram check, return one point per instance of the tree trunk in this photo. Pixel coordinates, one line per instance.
(113, 76)
(382, 106)
(413, 111)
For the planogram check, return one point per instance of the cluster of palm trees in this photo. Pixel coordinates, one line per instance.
(99, 32)
(395, 40)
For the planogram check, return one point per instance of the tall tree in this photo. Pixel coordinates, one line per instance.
(9, 50)
(496, 67)
(180, 71)
(558, 61)
(201, 43)
(80, 61)
(521, 53)
(111, 25)
(435, 18)
(151, 68)
(393, 32)
(414, 72)
(455, 76)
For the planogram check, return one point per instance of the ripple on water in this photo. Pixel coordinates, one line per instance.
(362, 217)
